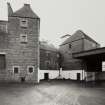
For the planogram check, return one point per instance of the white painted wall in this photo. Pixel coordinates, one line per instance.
(52, 74)
(72, 74)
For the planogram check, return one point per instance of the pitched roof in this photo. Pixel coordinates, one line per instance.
(76, 36)
(25, 11)
(47, 46)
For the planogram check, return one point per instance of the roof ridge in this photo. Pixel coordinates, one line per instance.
(25, 11)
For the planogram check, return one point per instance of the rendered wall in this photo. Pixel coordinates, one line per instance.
(52, 74)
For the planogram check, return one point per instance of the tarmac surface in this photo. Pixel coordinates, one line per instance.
(54, 92)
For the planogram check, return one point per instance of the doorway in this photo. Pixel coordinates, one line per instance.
(46, 76)
(78, 76)
(22, 79)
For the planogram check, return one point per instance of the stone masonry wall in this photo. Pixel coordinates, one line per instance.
(23, 54)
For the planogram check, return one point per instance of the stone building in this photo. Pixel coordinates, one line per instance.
(19, 45)
(49, 66)
(24, 59)
(78, 42)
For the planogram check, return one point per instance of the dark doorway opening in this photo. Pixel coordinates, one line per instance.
(22, 79)
(78, 76)
(46, 76)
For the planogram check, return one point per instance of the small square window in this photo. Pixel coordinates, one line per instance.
(47, 53)
(93, 45)
(70, 46)
(16, 69)
(23, 38)
(23, 22)
(30, 69)
(47, 63)
(3, 28)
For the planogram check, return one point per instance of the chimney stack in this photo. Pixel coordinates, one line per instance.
(27, 5)
(10, 11)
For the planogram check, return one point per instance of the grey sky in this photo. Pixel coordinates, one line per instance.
(60, 17)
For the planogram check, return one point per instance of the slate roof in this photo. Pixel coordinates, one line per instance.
(47, 46)
(78, 35)
(25, 11)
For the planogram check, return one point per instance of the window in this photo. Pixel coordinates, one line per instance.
(47, 64)
(47, 53)
(23, 38)
(103, 66)
(30, 69)
(23, 22)
(93, 45)
(16, 69)
(70, 46)
(3, 28)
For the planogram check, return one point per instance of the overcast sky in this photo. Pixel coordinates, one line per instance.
(60, 17)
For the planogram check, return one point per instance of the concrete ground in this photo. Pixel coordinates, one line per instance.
(54, 92)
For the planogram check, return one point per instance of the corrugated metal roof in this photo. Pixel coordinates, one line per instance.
(25, 11)
(98, 52)
(78, 35)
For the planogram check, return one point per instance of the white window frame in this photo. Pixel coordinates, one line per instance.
(18, 69)
(28, 69)
(21, 22)
(23, 40)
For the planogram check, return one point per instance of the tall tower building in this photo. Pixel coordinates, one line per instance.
(22, 59)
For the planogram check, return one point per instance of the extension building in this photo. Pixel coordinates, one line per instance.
(49, 61)
(72, 68)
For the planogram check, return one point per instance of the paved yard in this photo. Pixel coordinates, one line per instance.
(51, 93)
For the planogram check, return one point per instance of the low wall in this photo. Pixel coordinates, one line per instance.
(72, 74)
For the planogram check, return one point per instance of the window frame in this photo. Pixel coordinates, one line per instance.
(18, 69)
(31, 67)
(23, 40)
(21, 22)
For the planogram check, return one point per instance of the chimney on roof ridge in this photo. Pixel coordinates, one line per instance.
(27, 5)
(10, 11)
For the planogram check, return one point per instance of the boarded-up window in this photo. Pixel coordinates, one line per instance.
(2, 62)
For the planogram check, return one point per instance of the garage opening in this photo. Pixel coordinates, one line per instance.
(46, 76)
